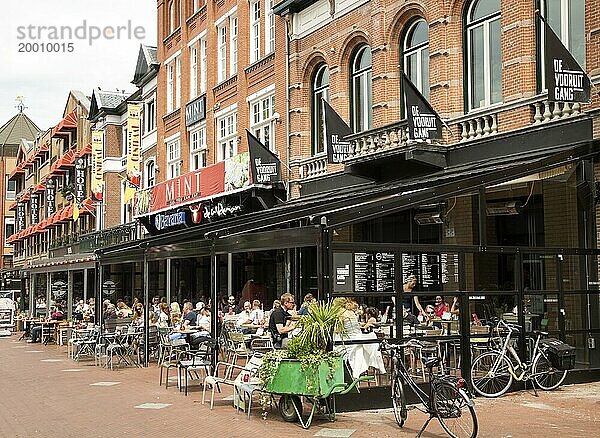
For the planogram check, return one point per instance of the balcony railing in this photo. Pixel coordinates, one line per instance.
(112, 236)
(313, 166)
(379, 140)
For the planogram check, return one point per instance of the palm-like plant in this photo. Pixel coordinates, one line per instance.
(317, 329)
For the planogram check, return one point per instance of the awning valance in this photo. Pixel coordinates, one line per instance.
(66, 125)
(19, 170)
(87, 150)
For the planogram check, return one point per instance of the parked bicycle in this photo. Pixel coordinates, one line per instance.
(493, 372)
(446, 400)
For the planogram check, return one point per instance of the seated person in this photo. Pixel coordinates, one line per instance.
(244, 318)
(308, 299)
(428, 316)
(36, 332)
(203, 323)
(189, 319)
(280, 321)
(257, 315)
(409, 318)
(440, 306)
(372, 314)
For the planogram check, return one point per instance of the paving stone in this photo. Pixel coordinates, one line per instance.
(335, 433)
(152, 406)
(104, 383)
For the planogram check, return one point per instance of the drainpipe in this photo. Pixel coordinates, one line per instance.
(287, 102)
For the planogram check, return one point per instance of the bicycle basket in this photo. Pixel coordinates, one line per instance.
(560, 354)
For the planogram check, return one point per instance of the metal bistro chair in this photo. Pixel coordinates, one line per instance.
(237, 347)
(195, 361)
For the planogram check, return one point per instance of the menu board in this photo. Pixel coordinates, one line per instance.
(430, 270)
(449, 266)
(342, 264)
(374, 272)
(384, 271)
(410, 266)
(364, 272)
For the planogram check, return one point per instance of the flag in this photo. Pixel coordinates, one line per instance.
(264, 164)
(75, 212)
(338, 149)
(423, 122)
(565, 79)
(97, 183)
(133, 150)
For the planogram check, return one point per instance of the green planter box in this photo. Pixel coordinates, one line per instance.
(290, 379)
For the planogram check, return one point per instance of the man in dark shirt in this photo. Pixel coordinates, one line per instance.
(189, 319)
(231, 308)
(280, 321)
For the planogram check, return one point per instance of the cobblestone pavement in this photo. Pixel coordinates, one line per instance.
(46, 394)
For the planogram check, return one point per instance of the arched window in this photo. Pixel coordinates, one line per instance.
(416, 55)
(150, 173)
(173, 18)
(567, 20)
(484, 53)
(362, 99)
(319, 92)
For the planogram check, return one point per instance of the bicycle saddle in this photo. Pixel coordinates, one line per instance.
(539, 332)
(430, 362)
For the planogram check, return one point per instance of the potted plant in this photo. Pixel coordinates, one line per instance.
(308, 366)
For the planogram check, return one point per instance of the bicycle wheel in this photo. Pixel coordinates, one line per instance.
(455, 411)
(545, 375)
(490, 375)
(399, 402)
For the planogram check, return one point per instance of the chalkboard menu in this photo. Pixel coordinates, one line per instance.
(342, 263)
(410, 266)
(384, 271)
(364, 272)
(374, 272)
(449, 265)
(430, 269)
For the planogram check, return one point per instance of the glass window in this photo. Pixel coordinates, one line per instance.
(484, 53)
(202, 65)
(255, 31)
(11, 189)
(124, 140)
(320, 91)
(170, 80)
(173, 159)
(198, 148)
(177, 82)
(567, 20)
(227, 136)
(193, 72)
(222, 51)
(9, 227)
(150, 114)
(150, 174)
(362, 105)
(262, 124)
(233, 45)
(416, 56)
(270, 26)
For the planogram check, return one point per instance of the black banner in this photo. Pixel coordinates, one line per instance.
(338, 149)
(423, 122)
(20, 216)
(264, 164)
(80, 176)
(565, 79)
(50, 196)
(34, 208)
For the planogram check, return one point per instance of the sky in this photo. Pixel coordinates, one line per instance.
(45, 79)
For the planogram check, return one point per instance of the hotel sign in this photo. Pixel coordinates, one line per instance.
(195, 111)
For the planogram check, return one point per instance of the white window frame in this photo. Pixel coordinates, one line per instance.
(317, 117)
(197, 5)
(172, 17)
(203, 65)
(419, 51)
(11, 194)
(126, 211)
(254, 31)
(193, 71)
(262, 120)
(364, 76)
(198, 151)
(221, 53)
(565, 33)
(150, 172)
(123, 140)
(150, 115)
(170, 84)
(233, 45)
(269, 27)
(177, 82)
(487, 71)
(9, 220)
(227, 135)
(173, 158)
